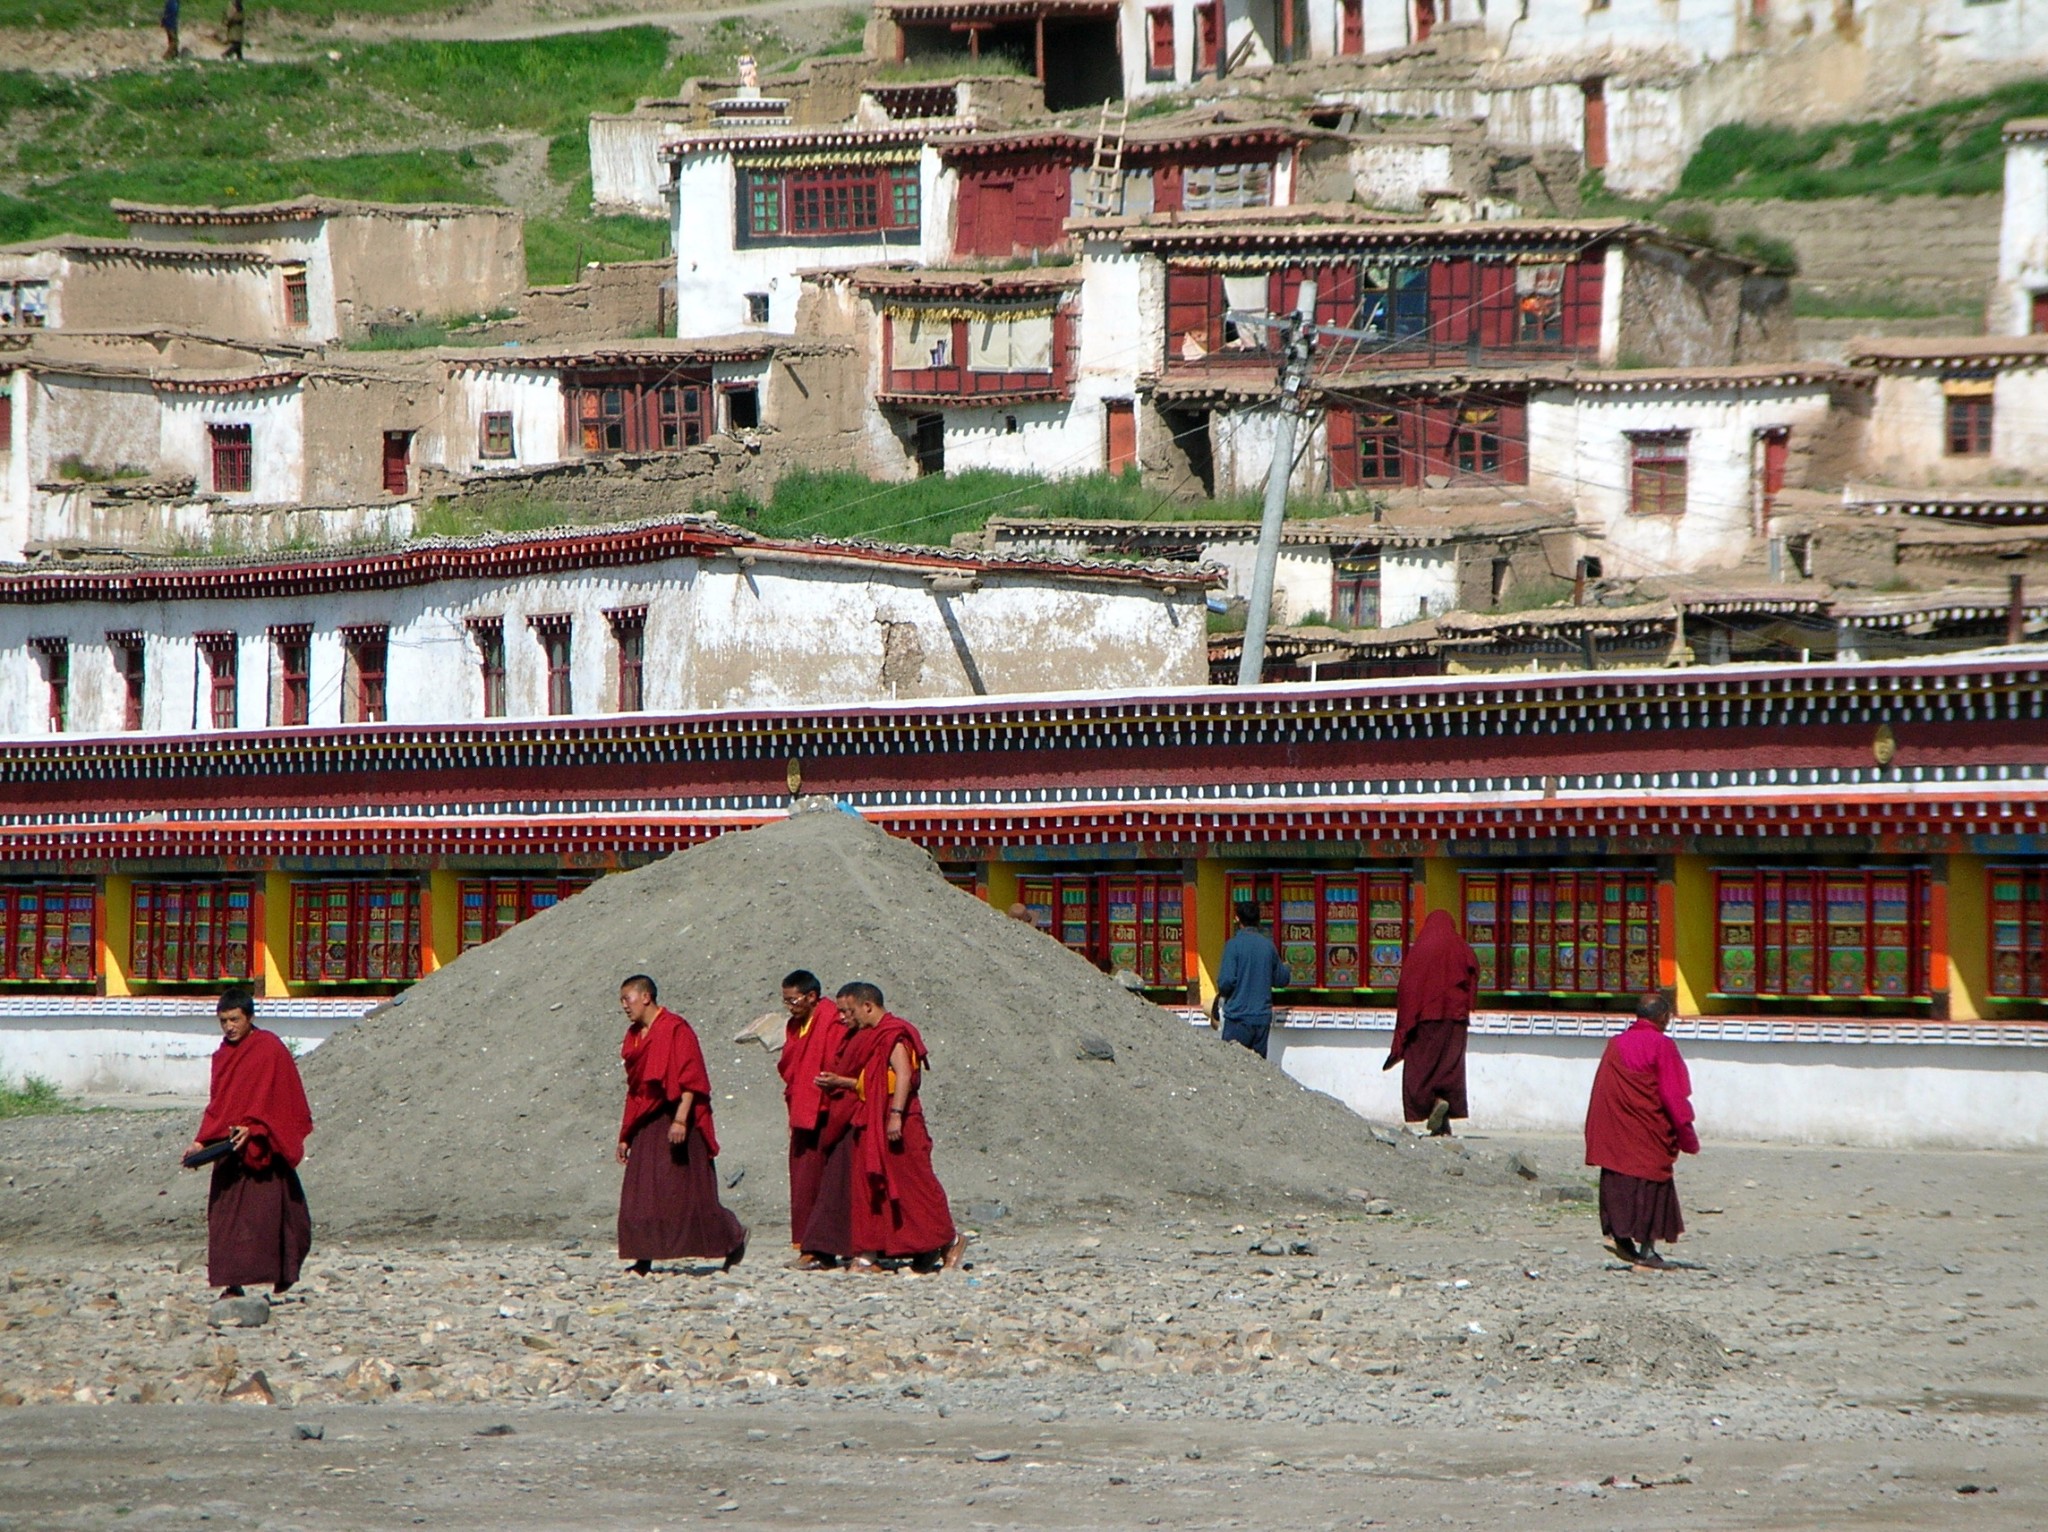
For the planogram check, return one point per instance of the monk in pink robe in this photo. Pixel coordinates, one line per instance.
(668, 1200)
(810, 1041)
(1432, 1017)
(1637, 1124)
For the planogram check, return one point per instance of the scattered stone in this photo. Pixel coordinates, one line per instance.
(309, 1431)
(246, 1312)
(1379, 1207)
(1004, 1457)
(987, 1212)
(1568, 1191)
(1523, 1164)
(501, 1429)
(1098, 1048)
(255, 1389)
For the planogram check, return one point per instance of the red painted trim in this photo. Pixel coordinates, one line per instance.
(1667, 933)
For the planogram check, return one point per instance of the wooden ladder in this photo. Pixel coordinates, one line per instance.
(1104, 190)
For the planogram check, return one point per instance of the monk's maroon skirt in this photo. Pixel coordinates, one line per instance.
(1433, 1069)
(828, 1226)
(668, 1202)
(257, 1227)
(1634, 1209)
(806, 1166)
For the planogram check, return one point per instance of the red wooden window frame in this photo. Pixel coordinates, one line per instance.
(49, 933)
(821, 204)
(1011, 203)
(398, 462)
(223, 671)
(1966, 422)
(131, 667)
(365, 692)
(356, 931)
(1355, 590)
(489, 636)
(2037, 314)
(232, 451)
(956, 380)
(292, 647)
(663, 412)
(556, 633)
(1209, 37)
(2016, 901)
(55, 654)
(1658, 472)
(298, 303)
(1608, 952)
(1350, 28)
(193, 931)
(1816, 933)
(1159, 49)
(492, 906)
(1117, 920)
(1315, 918)
(495, 435)
(629, 637)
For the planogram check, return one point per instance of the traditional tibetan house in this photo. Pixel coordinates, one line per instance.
(100, 284)
(1957, 411)
(656, 617)
(344, 267)
(1593, 835)
(753, 210)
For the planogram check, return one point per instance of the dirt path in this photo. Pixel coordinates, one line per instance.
(1865, 1350)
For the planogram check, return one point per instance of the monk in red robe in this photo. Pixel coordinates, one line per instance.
(668, 1201)
(810, 1041)
(257, 1227)
(898, 1209)
(1638, 1123)
(1432, 1016)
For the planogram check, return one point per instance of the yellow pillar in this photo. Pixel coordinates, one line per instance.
(441, 930)
(1001, 884)
(1212, 922)
(274, 941)
(1443, 888)
(1969, 940)
(1692, 915)
(117, 932)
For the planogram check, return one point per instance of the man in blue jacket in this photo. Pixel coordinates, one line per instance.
(1251, 971)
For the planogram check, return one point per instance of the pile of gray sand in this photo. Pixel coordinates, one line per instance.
(487, 1103)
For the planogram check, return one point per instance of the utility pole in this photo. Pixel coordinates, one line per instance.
(1298, 349)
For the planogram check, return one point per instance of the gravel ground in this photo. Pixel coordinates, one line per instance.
(1863, 1345)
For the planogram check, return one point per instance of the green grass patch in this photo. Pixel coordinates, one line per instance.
(1950, 149)
(557, 249)
(501, 510)
(31, 1097)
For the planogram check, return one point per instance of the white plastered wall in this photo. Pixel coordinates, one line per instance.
(533, 399)
(1909, 430)
(2022, 239)
(1580, 453)
(714, 275)
(626, 171)
(277, 435)
(770, 631)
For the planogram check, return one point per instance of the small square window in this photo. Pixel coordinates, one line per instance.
(496, 437)
(1657, 473)
(757, 308)
(1969, 425)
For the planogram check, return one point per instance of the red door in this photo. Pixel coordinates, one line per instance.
(397, 462)
(2040, 314)
(1774, 447)
(1595, 92)
(1351, 27)
(1121, 424)
(1425, 19)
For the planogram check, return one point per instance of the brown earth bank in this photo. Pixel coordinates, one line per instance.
(1861, 1347)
